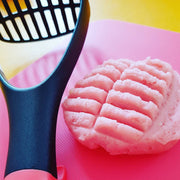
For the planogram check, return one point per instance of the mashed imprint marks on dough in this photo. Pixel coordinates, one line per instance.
(138, 89)
(82, 105)
(82, 119)
(89, 93)
(107, 70)
(119, 64)
(158, 73)
(134, 94)
(145, 78)
(158, 64)
(98, 80)
(117, 130)
(128, 101)
(129, 117)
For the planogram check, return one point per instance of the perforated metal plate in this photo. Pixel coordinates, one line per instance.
(32, 20)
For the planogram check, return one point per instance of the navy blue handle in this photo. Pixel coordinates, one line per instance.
(33, 111)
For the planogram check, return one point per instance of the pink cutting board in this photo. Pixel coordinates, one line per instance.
(106, 39)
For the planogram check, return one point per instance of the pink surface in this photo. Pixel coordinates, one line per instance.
(106, 39)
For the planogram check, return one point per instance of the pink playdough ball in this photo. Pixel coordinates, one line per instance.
(126, 107)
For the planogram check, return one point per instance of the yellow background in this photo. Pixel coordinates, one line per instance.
(164, 14)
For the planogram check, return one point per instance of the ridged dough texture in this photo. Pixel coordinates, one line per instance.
(126, 107)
